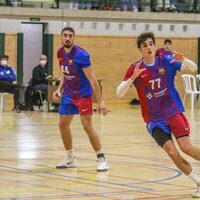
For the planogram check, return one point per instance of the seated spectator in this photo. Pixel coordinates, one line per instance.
(7, 77)
(131, 7)
(39, 81)
(194, 6)
(40, 76)
(166, 50)
(166, 5)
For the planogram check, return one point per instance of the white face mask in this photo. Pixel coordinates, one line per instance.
(4, 62)
(43, 62)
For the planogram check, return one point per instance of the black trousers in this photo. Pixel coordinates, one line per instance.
(6, 86)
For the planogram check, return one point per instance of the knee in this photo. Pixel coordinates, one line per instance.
(173, 154)
(87, 125)
(186, 149)
(62, 124)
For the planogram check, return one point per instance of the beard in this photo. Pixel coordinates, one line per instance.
(67, 46)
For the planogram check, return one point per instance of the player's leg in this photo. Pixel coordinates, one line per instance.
(85, 108)
(66, 115)
(182, 164)
(188, 148)
(181, 130)
(95, 142)
(165, 141)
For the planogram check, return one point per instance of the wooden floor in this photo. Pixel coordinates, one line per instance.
(30, 147)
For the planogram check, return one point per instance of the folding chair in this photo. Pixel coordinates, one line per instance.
(190, 87)
(42, 102)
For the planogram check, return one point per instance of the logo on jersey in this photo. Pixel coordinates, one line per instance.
(65, 69)
(149, 95)
(161, 71)
(70, 62)
(66, 72)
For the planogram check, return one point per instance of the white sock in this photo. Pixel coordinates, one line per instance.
(99, 152)
(195, 177)
(70, 153)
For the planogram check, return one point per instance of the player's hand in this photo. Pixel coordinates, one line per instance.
(137, 70)
(177, 57)
(102, 109)
(56, 95)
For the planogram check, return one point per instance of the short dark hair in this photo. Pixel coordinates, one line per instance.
(68, 29)
(144, 36)
(4, 56)
(168, 41)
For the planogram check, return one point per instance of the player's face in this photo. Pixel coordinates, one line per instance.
(167, 46)
(67, 38)
(148, 48)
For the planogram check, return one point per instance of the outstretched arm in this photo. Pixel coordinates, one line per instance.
(186, 63)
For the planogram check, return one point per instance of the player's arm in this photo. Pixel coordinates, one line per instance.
(95, 86)
(57, 93)
(186, 63)
(124, 86)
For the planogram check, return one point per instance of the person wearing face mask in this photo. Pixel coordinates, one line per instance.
(7, 77)
(39, 81)
(40, 75)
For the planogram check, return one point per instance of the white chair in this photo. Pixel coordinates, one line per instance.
(190, 87)
(198, 81)
(2, 95)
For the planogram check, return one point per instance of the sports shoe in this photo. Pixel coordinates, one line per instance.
(17, 110)
(103, 165)
(197, 193)
(68, 162)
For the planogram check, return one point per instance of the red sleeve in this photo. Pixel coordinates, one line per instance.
(129, 72)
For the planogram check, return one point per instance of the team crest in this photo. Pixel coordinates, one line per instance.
(161, 71)
(70, 62)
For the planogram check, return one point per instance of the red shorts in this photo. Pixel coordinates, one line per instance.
(179, 125)
(84, 105)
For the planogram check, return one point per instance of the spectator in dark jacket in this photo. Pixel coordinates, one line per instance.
(40, 75)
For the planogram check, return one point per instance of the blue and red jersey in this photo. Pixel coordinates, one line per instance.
(76, 84)
(158, 96)
(163, 52)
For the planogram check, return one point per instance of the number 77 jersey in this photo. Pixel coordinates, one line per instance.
(156, 90)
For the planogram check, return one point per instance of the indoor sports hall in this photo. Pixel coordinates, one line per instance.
(30, 141)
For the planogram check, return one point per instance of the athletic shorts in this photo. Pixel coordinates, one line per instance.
(82, 106)
(177, 124)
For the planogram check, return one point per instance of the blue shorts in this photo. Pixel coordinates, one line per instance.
(82, 106)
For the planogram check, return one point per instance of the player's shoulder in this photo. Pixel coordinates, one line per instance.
(132, 66)
(135, 63)
(60, 52)
(80, 51)
(81, 54)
